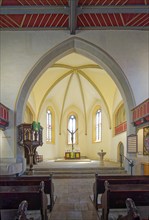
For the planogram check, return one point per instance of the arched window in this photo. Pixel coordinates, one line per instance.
(50, 126)
(97, 124)
(72, 126)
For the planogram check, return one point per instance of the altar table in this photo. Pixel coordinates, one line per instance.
(72, 155)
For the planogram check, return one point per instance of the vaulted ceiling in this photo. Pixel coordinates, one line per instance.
(74, 15)
(74, 82)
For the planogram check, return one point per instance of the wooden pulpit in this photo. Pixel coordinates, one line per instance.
(30, 137)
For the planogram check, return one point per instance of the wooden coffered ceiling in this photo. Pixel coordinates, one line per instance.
(74, 15)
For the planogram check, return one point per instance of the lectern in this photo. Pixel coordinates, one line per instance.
(30, 137)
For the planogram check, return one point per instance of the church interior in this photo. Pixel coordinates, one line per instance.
(74, 109)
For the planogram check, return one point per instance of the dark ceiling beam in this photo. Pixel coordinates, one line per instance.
(113, 9)
(145, 28)
(34, 10)
(73, 16)
(77, 9)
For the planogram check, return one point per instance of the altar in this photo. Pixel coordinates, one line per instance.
(72, 155)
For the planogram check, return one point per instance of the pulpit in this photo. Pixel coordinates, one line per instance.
(30, 137)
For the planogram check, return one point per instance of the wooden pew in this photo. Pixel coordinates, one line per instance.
(11, 196)
(32, 180)
(115, 196)
(13, 214)
(22, 209)
(132, 212)
(99, 188)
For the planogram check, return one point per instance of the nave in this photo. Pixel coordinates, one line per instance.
(73, 192)
(73, 200)
(73, 188)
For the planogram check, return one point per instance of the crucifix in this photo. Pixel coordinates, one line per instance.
(72, 134)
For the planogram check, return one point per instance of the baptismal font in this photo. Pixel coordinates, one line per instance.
(101, 155)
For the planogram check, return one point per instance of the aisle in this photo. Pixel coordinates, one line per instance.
(73, 201)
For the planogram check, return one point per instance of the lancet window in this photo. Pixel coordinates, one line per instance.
(72, 126)
(97, 124)
(50, 126)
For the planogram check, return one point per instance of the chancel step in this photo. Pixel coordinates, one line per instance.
(79, 172)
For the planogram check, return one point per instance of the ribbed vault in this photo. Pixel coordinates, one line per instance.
(75, 77)
(93, 55)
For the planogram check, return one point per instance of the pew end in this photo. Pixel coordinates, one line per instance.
(11, 196)
(132, 211)
(115, 196)
(16, 214)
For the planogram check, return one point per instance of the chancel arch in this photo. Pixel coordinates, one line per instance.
(89, 50)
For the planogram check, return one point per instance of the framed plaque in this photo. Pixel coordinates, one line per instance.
(132, 144)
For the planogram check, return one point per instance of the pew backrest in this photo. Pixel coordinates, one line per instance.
(99, 187)
(11, 196)
(29, 181)
(115, 196)
(99, 181)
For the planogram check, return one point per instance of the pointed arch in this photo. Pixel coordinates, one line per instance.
(89, 50)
